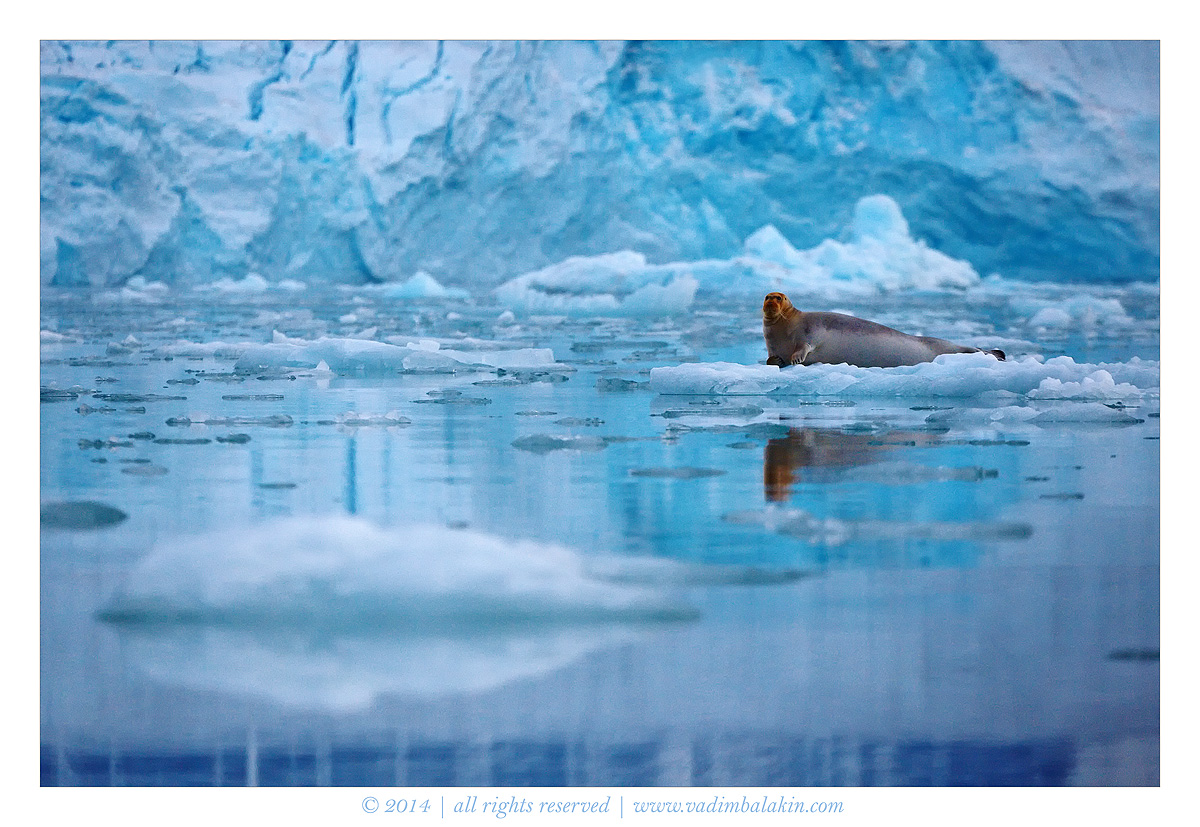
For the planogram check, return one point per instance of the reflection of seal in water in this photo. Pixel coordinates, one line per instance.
(795, 338)
(822, 455)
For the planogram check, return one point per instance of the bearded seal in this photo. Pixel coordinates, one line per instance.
(795, 338)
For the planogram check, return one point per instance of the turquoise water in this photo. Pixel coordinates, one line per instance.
(867, 595)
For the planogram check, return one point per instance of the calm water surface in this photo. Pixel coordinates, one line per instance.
(875, 600)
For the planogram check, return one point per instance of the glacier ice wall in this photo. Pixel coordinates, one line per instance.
(191, 162)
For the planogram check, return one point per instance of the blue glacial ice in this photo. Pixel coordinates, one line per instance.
(349, 162)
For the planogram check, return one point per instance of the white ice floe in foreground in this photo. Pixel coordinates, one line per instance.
(953, 375)
(345, 572)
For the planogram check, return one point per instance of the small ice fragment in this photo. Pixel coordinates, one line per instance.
(545, 443)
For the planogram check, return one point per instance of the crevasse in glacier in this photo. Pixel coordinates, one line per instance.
(345, 162)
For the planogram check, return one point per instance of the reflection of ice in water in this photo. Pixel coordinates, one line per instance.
(348, 672)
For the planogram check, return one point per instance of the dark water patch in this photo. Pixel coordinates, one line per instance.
(987, 443)
(142, 435)
(577, 422)
(742, 446)
(1037, 479)
(138, 397)
(235, 439)
(87, 410)
(175, 441)
(97, 362)
(1137, 655)
(932, 408)
(190, 380)
(277, 486)
(253, 397)
(681, 473)
(1064, 496)
(80, 515)
(145, 470)
(537, 413)
(545, 443)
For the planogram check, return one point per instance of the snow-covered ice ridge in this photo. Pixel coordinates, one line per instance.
(953, 375)
(356, 162)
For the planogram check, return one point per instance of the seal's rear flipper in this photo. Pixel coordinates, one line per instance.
(998, 353)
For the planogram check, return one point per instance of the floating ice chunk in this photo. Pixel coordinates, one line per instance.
(618, 284)
(1051, 317)
(49, 337)
(345, 572)
(252, 283)
(137, 289)
(272, 421)
(960, 375)
(422, 286)
(1082, 311)
(1098, 385)
(348, 355)
(389, 419)
(545, 443)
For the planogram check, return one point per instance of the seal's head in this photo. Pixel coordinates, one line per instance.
(775, 307)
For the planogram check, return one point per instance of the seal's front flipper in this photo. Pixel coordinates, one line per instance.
(998, 353)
